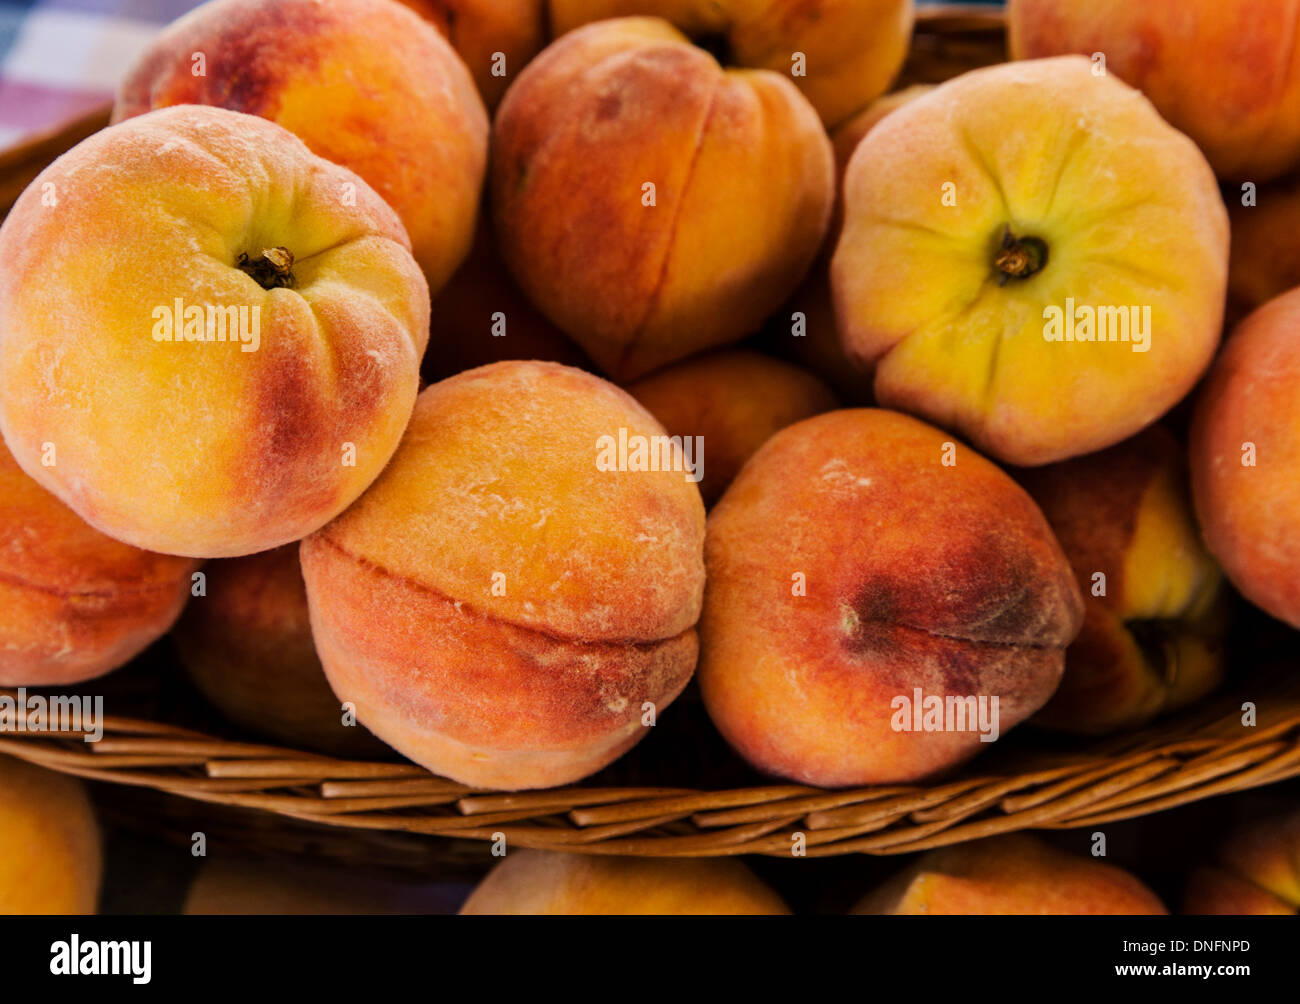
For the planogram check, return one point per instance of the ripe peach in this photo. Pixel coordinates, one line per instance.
(1015, 873)
(479, 29)
(1155, 607)
(1227, 74)
(548, 883)
(501, 606)
(481, 317)
(1265, 258)
(254, 887)
(50, 859)
(246, 644)
(815, 639)
(1245, 451)
(626, 168)
(74, 604)
(203, 350)
(1046, 290)
(1257, 872)
(735, 400)
(851, 49)
(366, 84)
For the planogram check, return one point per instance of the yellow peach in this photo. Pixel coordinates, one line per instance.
(1046, 290)
(205, 351)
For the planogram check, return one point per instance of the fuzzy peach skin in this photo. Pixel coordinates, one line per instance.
(1225, 73)
(50, 858)
(482, 317)
(246, 645)
(1257, 872)
(820, 347)
(619, 104)
(479, 29)
(1245, 451)
(225, 886)
(546, 883)
(735, 400)
(1015, 873)
(366, 84)
(205, 448)
(852, 48)
(497, 607)
(1153, 627)
(914, 574)
(1265, 258)
(1092, 198)
(74, 603)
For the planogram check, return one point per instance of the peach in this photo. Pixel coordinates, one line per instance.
(480, 29)
(819, 347)
(851, 49)
(1047, 290)
(74, 604)
(549, 883)
(626, 168)
(1265, 258)
(512, 603)
(1015, 873)
(1227, 74)
(1245, 450)
(734, 400)
(204, 351)
(1155, 610)
(860, 557)
(255, 887)
(50, 858)
(482, 318)
(1257, 872)
(246, 645)
(366, 84)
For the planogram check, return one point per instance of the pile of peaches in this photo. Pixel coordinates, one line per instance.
(562, 220)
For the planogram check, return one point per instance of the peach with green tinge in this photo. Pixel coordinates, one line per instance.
(734, 401)
(1227, 74)
(851, 49)
(366, 84)
(1245, 452)
(74, 603)
(246, 644)
(50, 857)
(965, 242)
(498, 607)
(860, 555)
(1257, 871)
(547, 883)
(1156, 609)
(1013, 874)
(205, 448)
(626, 168)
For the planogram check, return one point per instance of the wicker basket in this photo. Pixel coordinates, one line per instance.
(669, 796)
